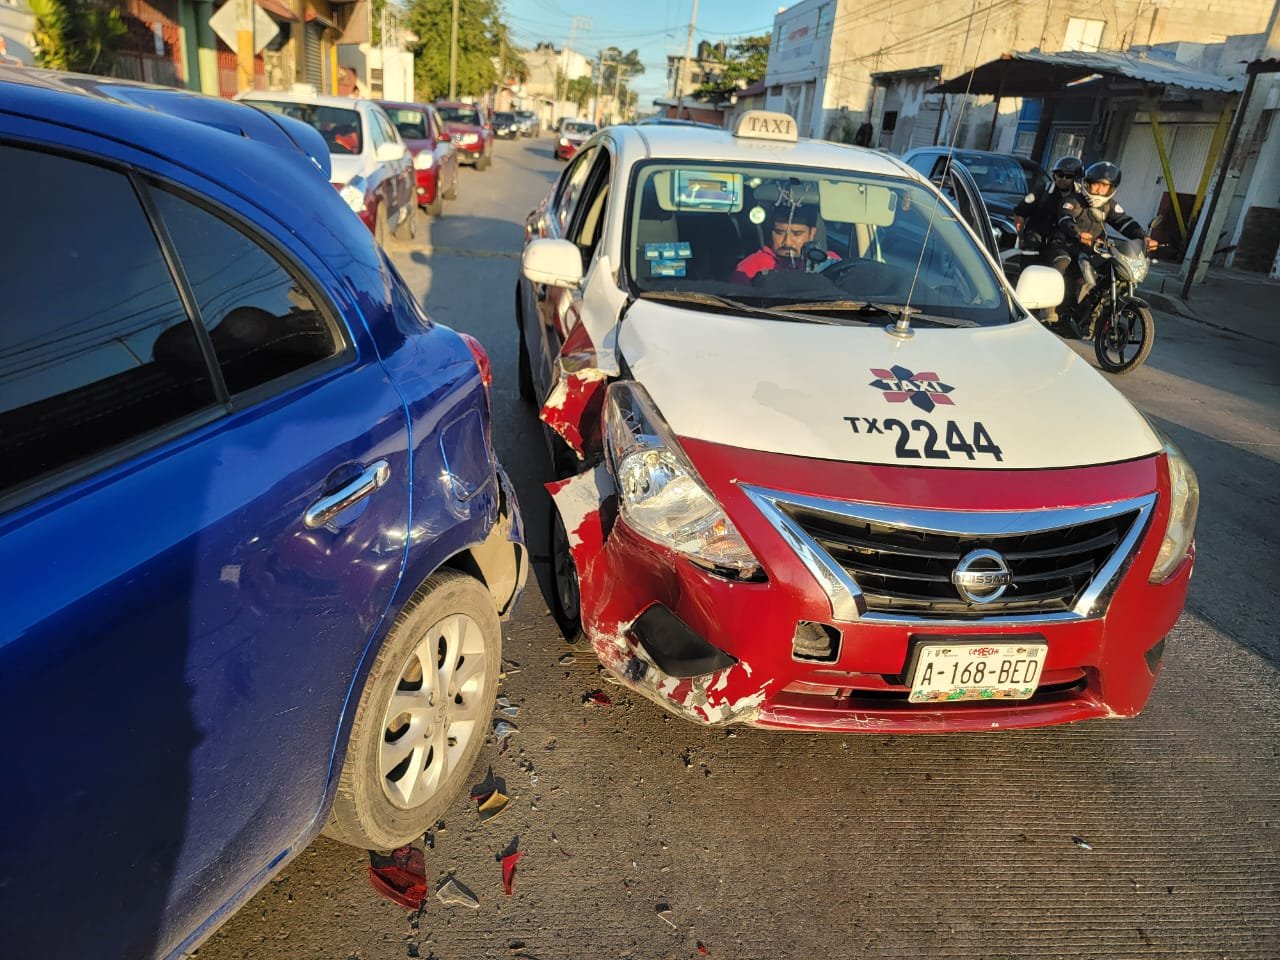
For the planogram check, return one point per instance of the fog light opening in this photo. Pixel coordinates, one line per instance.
(818, 642)
(1155, 655)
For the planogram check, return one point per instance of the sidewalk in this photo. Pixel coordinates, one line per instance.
(1247, 304)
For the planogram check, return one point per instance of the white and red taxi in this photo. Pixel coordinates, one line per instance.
(861, 490)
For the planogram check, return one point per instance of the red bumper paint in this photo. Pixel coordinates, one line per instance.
(566, 151)
(427, 185)
(1099, 663)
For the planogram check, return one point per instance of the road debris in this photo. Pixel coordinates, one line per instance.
(1082, 843)
(568, 659)
(509, 858)
(453, 894)
(492, 805)
(503, 729)
(664, 913)
(702, 949)
(597, 697)
(506, 707)
(400, 876)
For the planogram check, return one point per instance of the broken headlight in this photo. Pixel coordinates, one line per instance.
(660, 495)
(1184, 504)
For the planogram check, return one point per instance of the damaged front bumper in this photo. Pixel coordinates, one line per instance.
(715, 650)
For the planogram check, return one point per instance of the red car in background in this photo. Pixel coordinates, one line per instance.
(472, 135)
(572, 135)
(435, 159)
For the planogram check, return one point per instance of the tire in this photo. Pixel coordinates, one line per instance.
(435, 209)
(407, 230)
(527, 393)
(1122, 343)
(382, 812)
(566, 599)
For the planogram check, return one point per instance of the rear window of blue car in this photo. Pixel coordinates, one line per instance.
(340, 127)
(98, 348)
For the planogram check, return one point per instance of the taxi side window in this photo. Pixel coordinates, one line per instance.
(96, 349)
(376, 130)
(575, 178)
(262, 322)
(588, 225)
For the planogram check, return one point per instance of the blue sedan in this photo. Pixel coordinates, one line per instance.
(255, 542)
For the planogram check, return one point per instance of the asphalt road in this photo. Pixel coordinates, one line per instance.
(1155, 838)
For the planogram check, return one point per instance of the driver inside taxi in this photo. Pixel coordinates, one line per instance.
(794, 226)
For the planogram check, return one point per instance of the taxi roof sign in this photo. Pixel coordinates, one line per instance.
(766, 125)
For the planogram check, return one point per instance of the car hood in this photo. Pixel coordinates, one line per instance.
(838, 393)
(346, 166)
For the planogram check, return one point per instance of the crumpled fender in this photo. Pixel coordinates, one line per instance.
(609, 581)
(573, 407)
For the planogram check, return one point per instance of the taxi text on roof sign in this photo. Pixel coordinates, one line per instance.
(766, 125)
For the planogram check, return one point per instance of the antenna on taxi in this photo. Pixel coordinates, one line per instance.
(901, 328)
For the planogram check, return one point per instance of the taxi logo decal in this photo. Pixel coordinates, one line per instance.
(923, 389)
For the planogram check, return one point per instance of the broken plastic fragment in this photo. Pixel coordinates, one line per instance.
(512, 711)
(1082, 843)
(664, 912)
(598, 697)
(504, 729)
(509, 862)
(567, 659)
(702, 948)
(490, 806)
(400, 876)
(453, 894)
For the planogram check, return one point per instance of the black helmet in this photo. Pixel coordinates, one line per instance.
(1103, 170)
(1069, 166)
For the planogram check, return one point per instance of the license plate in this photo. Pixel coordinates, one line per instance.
(954, 671)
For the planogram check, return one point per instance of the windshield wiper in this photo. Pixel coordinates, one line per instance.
(715, 300)
(878, 309)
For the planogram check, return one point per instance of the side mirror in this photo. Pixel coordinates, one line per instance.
(390, 152)
(557, 263)
(1040, 287)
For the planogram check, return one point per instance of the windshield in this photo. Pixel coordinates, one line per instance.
(460, 115)
(340, 128)
(800, 238)
(578, 129)
(504, 118)
(412, 124)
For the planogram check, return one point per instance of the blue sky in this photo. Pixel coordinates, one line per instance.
(654, 27)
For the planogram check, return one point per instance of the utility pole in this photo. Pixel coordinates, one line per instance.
(244, 45)
(453, 54)
(575, 24)
(617, 76)
(684, 66)
(598, 114)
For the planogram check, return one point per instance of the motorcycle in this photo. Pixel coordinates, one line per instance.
(1108, 310)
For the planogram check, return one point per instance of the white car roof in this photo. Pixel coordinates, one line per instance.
(659, 142)
(315, 99)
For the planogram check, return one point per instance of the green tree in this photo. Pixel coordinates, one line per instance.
(77, 35)
(483, 37)
(744, 63)
(580, 90)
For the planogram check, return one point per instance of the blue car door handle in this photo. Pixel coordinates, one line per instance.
(326, 508)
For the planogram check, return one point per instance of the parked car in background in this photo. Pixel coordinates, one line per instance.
(529, 125)
(472, 134)
(435, 158)
(256, 543)
(572, 135)
(1002, 179)
(371, 166)
(800, 488)
(505, 125)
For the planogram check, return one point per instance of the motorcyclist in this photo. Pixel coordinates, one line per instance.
(1041, 212)
(1083, 220)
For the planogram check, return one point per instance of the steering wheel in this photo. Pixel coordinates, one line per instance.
(837, 270)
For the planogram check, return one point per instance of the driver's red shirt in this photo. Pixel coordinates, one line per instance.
(765, 259)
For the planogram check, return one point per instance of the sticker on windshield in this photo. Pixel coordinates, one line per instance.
(672, 250)
(924, 389)
(666, 268)
(756, 215)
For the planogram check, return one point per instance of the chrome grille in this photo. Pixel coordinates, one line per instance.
(895, 564)
(901, 570)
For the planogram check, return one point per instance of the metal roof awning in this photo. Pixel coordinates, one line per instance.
(278, 10)
(1029, 74)
(884, 77)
